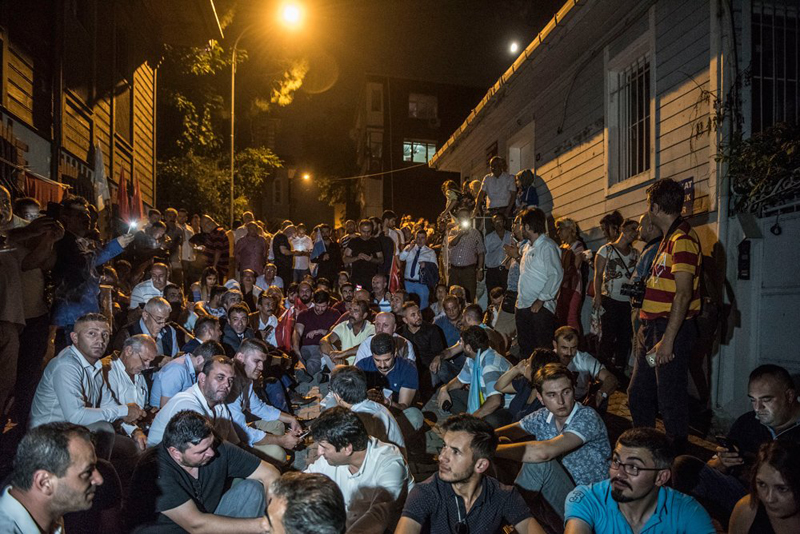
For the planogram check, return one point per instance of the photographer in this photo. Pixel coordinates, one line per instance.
(651, 235)
(613, 268)
(466, 254)
(668, 331)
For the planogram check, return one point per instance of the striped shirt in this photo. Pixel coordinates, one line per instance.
(679, 254)
(468, 248)
(492, 368)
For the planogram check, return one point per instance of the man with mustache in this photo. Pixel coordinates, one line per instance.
(55, 472)
(571, 444)
(636, 498)
(207, 398)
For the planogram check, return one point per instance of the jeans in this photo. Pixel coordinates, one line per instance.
(419, 289)
(548, 478)
(615, 343)
(496, 277)
(312, 358)
(34, 339)
(449, 369)
(716, 491)
(665, 387)
(534, 330)
(276, 394)
(245, 499)
(466, 277)
(299, 274)
(496, 419)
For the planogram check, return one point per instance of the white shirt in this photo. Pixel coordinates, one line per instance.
(271, 340)
(494, 248)
(15, 519)
(187, 251)
(498, 190)
(143, 292)
(380, 423)
(407, 255)
(73, 390)
(277, 281)
(248, 402)
(586, 369)
(365, 351)
(239, 233)
(126, 390)
(374, 490)
(192, 399)
(301, 243)
(540, 273)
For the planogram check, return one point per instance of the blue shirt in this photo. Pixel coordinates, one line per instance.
(451, 333)
(675, 512)
(403, 374)
(191, 345)
(176, 376)
(589, 462)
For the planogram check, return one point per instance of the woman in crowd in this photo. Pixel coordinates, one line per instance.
(201, 290)
(438, 307)
(526, 191)
(576, 272)
(773, 505)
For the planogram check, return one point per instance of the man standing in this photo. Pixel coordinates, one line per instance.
(668, 330)
(498, 190)
(206, 398)
(540, 275)
(268, 433)
(55, 472)
(571, 440)
(329, 263)
(636, 498)
(306, 502)
(282, 251)
(309, 330)
(187, 255)
(496, 273)
(461, 497)
(181, 484)
(349, 335)
(215, 246)
(301, 250)
(372, 475)
(251, 250)
(466, 254)
(144, 291)
(415, 254)
(363, 254)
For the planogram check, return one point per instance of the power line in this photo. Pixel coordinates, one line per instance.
(378, 173)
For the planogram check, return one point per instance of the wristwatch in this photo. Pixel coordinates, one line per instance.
(604, 394)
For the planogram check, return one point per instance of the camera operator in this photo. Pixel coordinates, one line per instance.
(668, 330)
(651, 235)
(466, 254)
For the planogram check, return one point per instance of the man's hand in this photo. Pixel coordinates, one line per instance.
(479, 275)
(134, 413)
(294, 426)
(443, 397)
(337, 356)
(597, 302)
(523, 366)
(140, 439)
(728, 459)
(511, 251)
(289, 441)
(125, 239)
(537, 305)
(663, 352)
(436, 363)
(376, 395)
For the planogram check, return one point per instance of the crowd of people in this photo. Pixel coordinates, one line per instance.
(155, 378)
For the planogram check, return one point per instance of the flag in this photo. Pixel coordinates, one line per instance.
(137, 210)
(102, 196)
(394, 275)
(283, 332)
(122, 199)
(319, 245)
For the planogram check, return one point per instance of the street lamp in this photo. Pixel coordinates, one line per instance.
(291, 16)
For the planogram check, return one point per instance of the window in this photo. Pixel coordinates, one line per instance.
(630, 104)
(422, 106)
(418, 151)
(774, 65)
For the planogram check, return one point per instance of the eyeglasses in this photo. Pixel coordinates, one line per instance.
(145, 364)
(161, 321)
(631, 469)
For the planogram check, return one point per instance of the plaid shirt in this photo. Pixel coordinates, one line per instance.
(466, 252)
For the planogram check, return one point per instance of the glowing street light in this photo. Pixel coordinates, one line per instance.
(292, 15)
(514, 48)
(306, 177)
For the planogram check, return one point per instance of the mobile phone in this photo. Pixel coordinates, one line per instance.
(446, 405)
(132, 227)
(304, 434)
(729, 444)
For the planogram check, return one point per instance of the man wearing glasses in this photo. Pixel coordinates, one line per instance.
(636, 498)
(153, 322)
(461, 497)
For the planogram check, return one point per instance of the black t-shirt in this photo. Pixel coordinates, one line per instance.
(434, 505)
(749, 434)
(281, 259)
(364, 270)
(160, 484)
(428, 341)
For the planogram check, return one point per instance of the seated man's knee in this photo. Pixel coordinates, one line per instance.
(414, 417)
(686, 473)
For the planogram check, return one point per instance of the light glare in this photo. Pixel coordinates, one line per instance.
(306, 176)
(292, 15)
(514, 47)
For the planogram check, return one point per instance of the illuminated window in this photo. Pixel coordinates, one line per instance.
(418, 151)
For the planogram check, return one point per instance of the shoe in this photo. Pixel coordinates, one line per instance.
(300, 400)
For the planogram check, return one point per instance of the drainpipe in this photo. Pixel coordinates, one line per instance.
(57, 88)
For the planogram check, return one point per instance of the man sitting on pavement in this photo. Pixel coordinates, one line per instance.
(636, 498)
(154, 287)
(372, 475)
(55, 472)
(153, 322)
(461, 497)
(482, 368)
(263, 321)
(180, 485)
(391, 380)
(268, 432)
(206, 328)
(428, 342)
(236, 330)
(311, 326)
(349, 389)
(306, 502)
(349, 335)
(593, 382)
(571, 444)
(451, 322)
(385, 323)
(207, 398)
(723, 480)
(181, 373)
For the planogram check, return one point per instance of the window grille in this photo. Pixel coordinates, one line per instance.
(634, 124)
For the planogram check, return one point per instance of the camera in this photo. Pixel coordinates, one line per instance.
(635, 291)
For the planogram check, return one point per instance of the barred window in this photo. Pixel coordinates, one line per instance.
(629, 100)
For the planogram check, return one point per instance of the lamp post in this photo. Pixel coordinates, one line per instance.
(291, 15)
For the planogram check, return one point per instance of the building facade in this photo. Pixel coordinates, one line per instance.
(614, 94)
